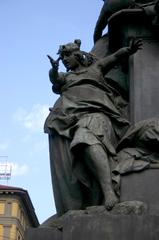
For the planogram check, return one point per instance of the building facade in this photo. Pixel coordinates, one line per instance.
(16, 213)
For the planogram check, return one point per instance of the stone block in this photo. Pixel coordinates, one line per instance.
(43, 234)
(143, 187)
(111, 227)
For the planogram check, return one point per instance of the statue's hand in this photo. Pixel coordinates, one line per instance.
(54, 63)
(135, 45)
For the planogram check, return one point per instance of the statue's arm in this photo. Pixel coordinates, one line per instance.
(56, 78)
(101, 22)
(109, 62)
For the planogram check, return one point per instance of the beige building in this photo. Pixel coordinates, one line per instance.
(16, 213)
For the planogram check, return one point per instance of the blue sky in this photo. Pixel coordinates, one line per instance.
(29, 30)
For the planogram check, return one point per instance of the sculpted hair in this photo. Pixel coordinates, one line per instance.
(85, 59)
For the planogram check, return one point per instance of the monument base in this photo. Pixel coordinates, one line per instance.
(135, 218)
(112, 227)
(43, 234)
(101, 227)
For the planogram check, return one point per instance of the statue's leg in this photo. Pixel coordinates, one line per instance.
(97, 160)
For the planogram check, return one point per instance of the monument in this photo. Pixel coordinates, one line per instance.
(104, 130)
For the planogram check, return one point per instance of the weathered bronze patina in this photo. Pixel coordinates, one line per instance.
(84, 127)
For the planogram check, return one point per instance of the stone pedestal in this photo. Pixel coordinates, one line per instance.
(144, 65)
(112, 227)
(102, 226)
(43, 234)
(96, 223)
(143, 187)
(144, 82)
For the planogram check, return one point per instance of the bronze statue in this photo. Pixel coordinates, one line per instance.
(84, 127)
(150, 8)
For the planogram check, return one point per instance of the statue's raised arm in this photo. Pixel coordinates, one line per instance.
(109, 62)
(56, 78)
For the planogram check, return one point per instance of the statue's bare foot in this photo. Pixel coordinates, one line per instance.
(111, 200)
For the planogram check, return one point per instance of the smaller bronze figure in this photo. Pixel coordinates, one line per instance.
(148, 7)
(84, 127)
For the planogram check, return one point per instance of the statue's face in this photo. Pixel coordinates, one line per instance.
(69, 60)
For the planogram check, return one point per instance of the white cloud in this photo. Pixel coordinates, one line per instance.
(34, 119)
(3, 146)
(19, 170)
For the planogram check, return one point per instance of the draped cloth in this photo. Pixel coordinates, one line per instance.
(137, 150)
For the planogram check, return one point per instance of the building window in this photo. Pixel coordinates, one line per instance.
(1, 232)
(2, 207)
(13, 232)
(15, 209)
